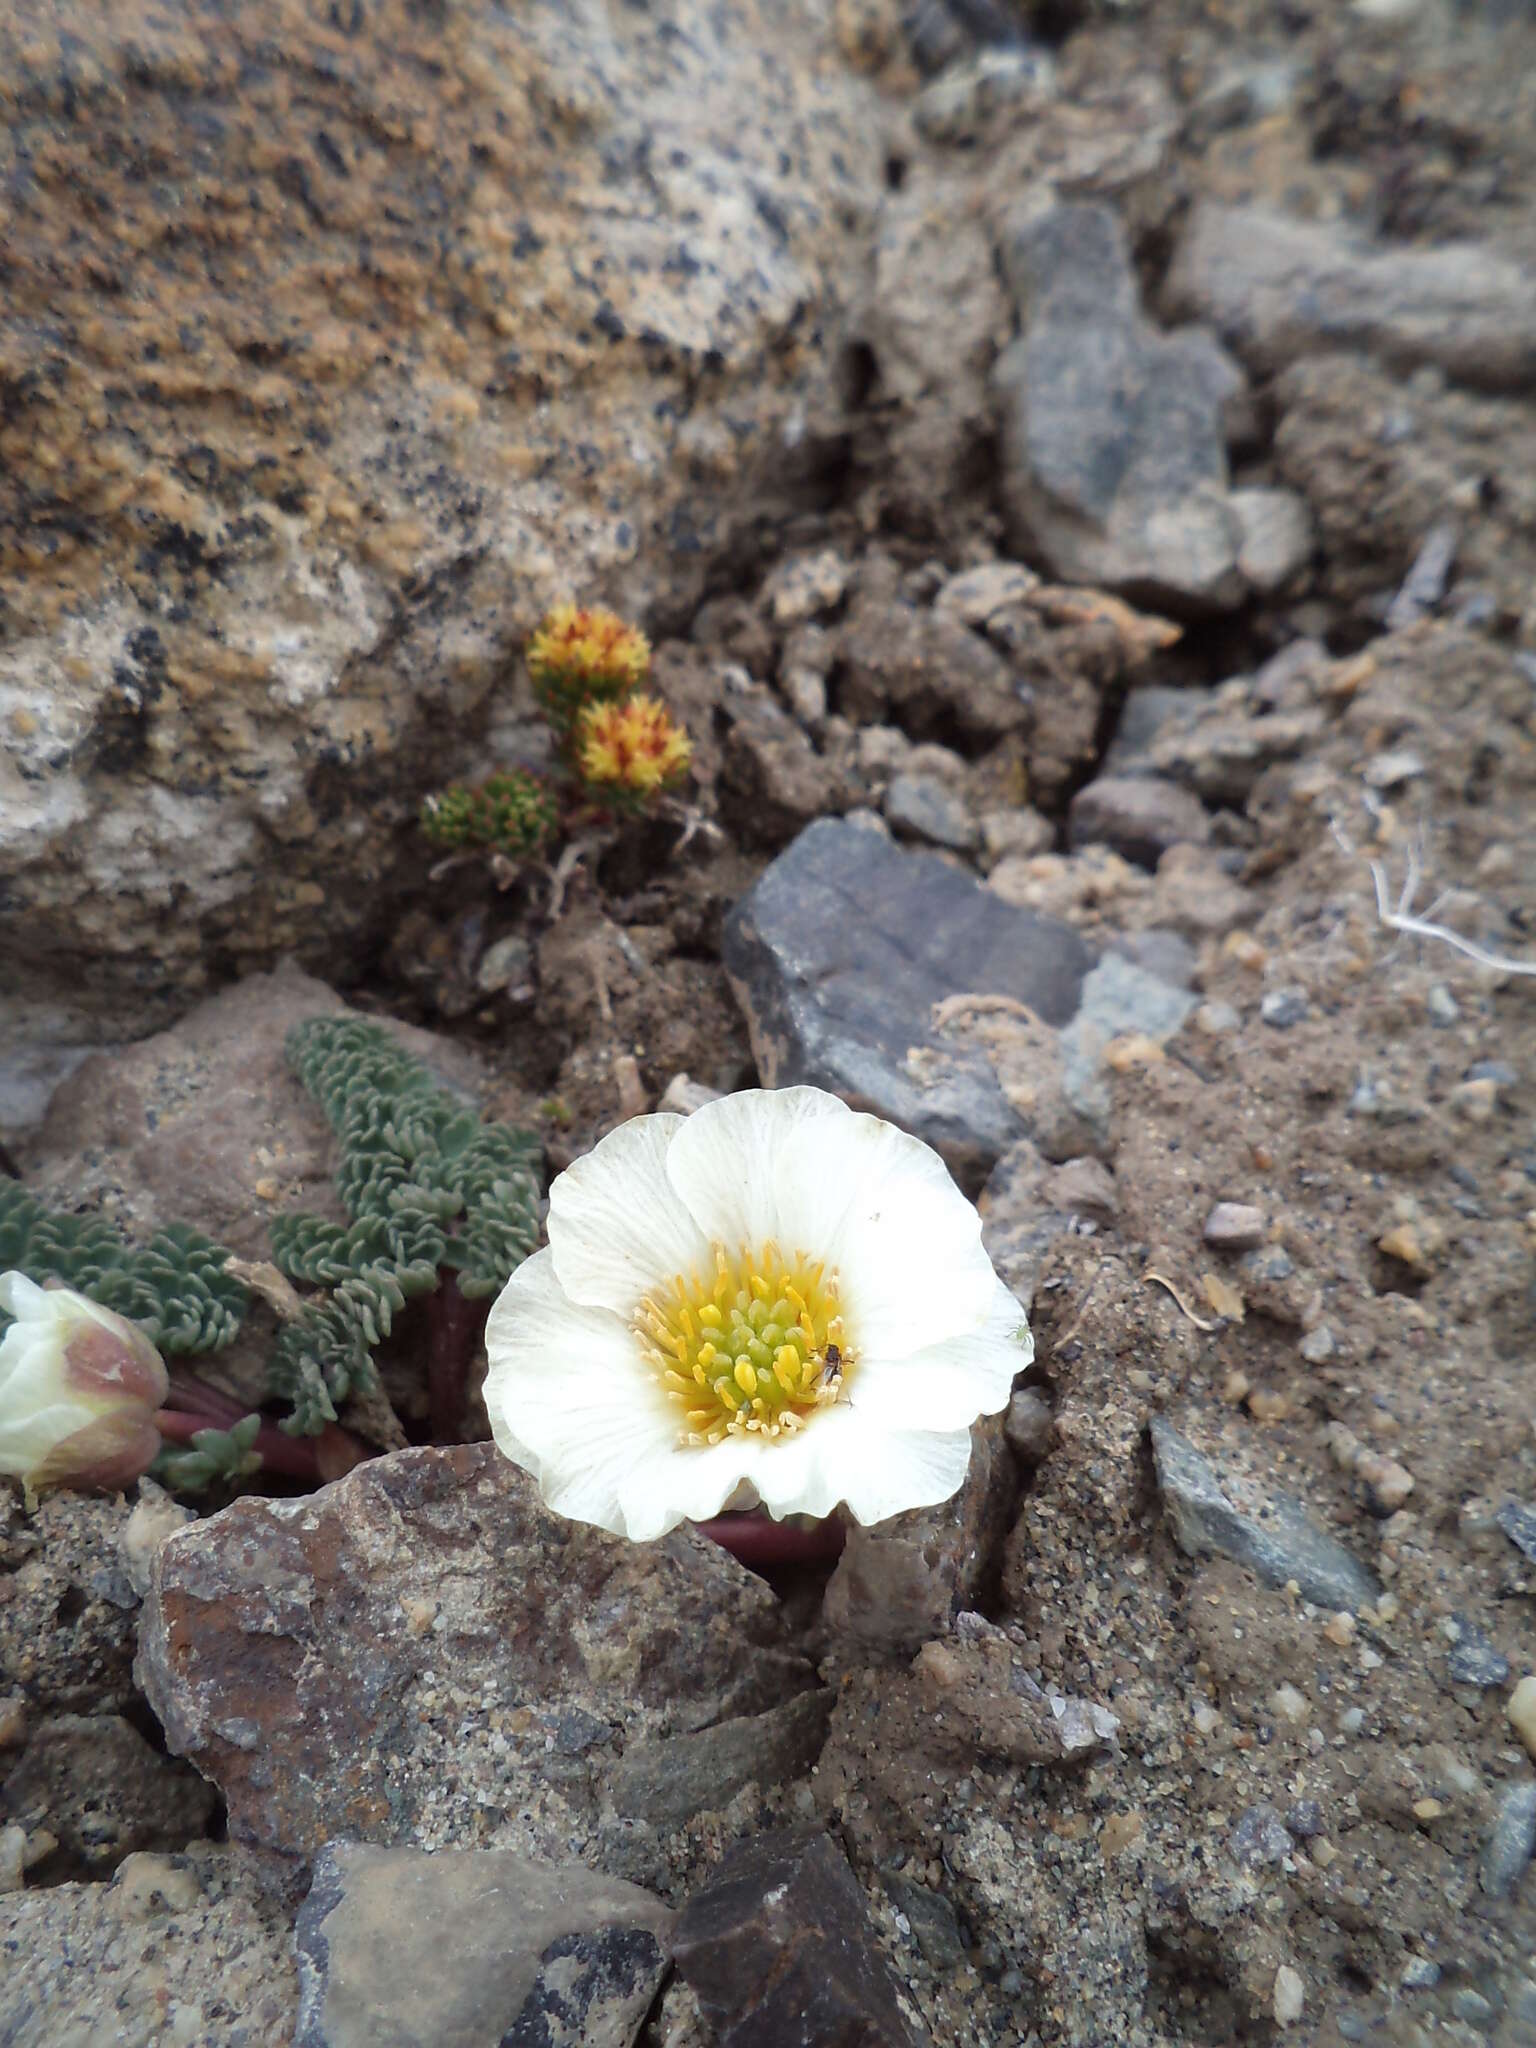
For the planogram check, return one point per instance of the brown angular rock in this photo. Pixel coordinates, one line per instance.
(423, 1652)
(901, 1583)
(778, 1947)
(1140, 816)
(207, 1123)
(927, 671)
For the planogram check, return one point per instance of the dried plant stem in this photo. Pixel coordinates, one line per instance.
(1402, 917)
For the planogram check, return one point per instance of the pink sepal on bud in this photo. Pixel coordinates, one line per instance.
(79, 1388)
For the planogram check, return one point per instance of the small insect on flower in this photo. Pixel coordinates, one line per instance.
(830, 1382)
(713, 1287)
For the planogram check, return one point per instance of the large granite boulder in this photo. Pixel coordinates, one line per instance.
(336, 343)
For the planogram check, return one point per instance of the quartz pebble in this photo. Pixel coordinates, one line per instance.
(1522, 1712)
(1235, 1227)
(1290, 1995)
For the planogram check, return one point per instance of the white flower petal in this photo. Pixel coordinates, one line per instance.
(617, 1229)
(838, 1458)
(797, 1166)
(740, 1165)
(22, 1298)
(947, 1385)
(562, 1375)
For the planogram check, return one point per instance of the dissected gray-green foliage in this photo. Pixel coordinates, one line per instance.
(174, 1286)
(428, 1186)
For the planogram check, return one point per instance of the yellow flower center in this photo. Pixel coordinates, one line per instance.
(757, 1349)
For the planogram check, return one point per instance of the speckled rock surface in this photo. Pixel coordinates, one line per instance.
(66, 1605)
(96, 1786)
(182, 1949)
(460, 1950)
(337, 344)
(422, 1652)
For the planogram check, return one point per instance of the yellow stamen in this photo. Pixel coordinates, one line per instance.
(743, 1352)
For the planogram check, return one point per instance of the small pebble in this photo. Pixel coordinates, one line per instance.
(1387, 771)
(1442, 1006)
(1522, 1712)
(1283, 1007)
(1390, 1483)
(1216, 1020)
(13, 1843)
(1260, 1837)
(1028, 1425)
(1341, 1629)
(1352, 1720)
(1473, 1659)
(683, 1095)
(1471, 2006)
(1499, 1072)
(1305, 1819)
(1291, 1705)
(1512, 1843)
(1318, 1345)
(1476, 1101)
(1234, 1227)
(1427, 1809)
(13, 1722)
(1290, 1995)
(1419, 1974)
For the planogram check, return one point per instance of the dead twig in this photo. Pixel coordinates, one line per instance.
(1162, 1280)
(1400, 916)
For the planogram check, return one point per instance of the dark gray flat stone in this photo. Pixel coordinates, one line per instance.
(838, 955)
(1276, 1538)
(1519, 1524)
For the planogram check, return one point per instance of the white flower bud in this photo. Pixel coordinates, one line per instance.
(79, 1387)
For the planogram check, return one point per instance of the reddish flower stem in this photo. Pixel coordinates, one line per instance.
(454, 1326)
(315, 1458)
(757, 1539)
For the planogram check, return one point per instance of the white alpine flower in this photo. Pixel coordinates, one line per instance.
(775, 1301)
(79, 1387)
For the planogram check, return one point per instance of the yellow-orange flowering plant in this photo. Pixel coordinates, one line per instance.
(628, 751)
(620, 748)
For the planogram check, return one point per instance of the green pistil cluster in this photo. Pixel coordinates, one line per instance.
(759, 1350)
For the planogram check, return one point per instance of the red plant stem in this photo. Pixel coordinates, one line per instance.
(757, 1539)
(295, 1457)
(195, 1397)
(455, 1325)
(315, 1458)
